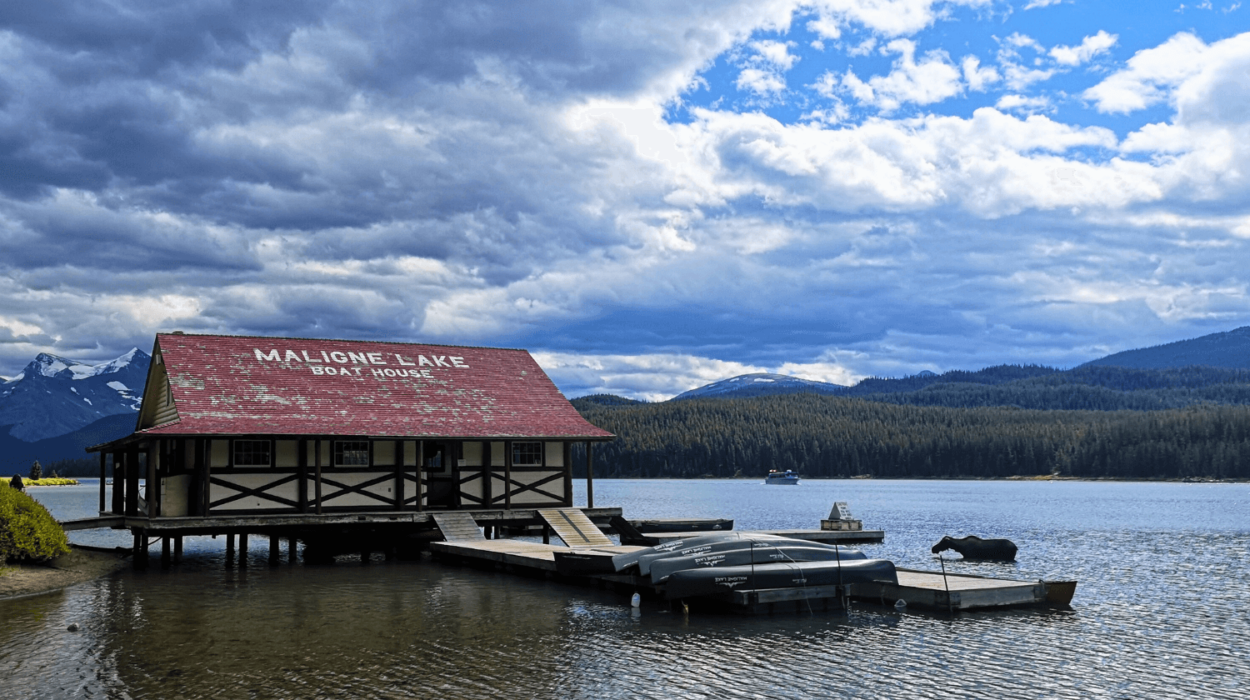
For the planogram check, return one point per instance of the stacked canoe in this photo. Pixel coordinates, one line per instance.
(714, 565)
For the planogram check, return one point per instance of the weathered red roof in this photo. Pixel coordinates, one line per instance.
(236, 385)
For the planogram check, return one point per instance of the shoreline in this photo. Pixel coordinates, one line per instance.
(1046, 477)
(81, 564)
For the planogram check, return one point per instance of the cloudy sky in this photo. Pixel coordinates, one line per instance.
(648, 195)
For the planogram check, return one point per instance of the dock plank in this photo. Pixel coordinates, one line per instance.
(458, 527)
(575, 528)
(516, 553)
(928, 589)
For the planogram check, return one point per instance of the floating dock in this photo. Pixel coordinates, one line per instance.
(936, 590)
(922, 589)
(822, 536)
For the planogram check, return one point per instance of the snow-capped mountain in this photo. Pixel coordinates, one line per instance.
(54, 395)
(761, 384)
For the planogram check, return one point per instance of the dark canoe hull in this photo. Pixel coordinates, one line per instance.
(625, 561)
(718, 581)
(661, 569)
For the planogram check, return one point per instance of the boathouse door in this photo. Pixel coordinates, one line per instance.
(440, 475)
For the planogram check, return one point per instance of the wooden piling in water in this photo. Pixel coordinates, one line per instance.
(166, 552)
(290, 550)
(178, 549)
(242, 549)
(138, 553)
(274, 553)
(230, 550)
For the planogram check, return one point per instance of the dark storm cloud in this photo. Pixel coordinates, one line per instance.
(502, 173)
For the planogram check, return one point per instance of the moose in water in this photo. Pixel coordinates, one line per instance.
(973, 547)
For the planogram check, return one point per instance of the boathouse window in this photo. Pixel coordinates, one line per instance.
(527, 454)
(252, 453)
(351, 453)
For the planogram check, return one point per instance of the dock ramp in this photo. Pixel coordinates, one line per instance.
(575, 528)
(458, 527)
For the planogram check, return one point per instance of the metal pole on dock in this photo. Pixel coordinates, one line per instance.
(949, 608)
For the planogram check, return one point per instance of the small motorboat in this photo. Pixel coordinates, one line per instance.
(661, 569)
(779, 477)
(718, 581)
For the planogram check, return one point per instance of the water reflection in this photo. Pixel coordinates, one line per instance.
(1159, 613)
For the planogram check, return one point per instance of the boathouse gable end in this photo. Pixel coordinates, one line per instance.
(240, 426)
(157, 406)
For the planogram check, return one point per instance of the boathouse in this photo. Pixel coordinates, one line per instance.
(256, 428)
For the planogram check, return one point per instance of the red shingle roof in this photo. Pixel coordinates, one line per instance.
(286, 386)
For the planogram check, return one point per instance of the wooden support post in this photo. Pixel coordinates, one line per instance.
(488, 477)
(507, 474)
(153, 492)
(568, 474)
(364, 556)
(303, 476)
(274, 546)
(178, 549)
(317, 461)
(290, 550)
(398, 451)
(132, 481)
(103, 478)
(204, 468)
(230, 550)
(590, 475)
(166, 552)
(242, 549)
(119, 484)
(138, 554)
(420, 474)
(546, 534)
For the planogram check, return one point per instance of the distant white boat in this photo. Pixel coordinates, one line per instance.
(786, 477)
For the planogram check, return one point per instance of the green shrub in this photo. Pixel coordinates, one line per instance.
(28, 532)
(36, 471)
(52, 481)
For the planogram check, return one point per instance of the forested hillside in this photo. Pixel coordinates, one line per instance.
(822, 436)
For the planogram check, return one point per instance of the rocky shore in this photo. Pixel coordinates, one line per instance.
(77, 566)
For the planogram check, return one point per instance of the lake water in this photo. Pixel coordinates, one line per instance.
(1162, 611)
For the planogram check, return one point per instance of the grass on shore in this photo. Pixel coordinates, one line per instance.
(51, 482)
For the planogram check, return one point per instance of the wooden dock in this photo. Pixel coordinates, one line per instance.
(920, 589)
(822, 536)
(932, 589)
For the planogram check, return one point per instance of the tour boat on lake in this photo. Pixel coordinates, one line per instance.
(777, 477)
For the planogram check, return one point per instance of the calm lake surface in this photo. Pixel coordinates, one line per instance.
(1162, 610)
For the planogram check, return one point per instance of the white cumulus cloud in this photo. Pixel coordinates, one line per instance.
(931, 79)
(1089, 47)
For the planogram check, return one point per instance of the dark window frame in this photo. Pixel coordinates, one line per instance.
(527, 454)
(340, 452)
(246, 453)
